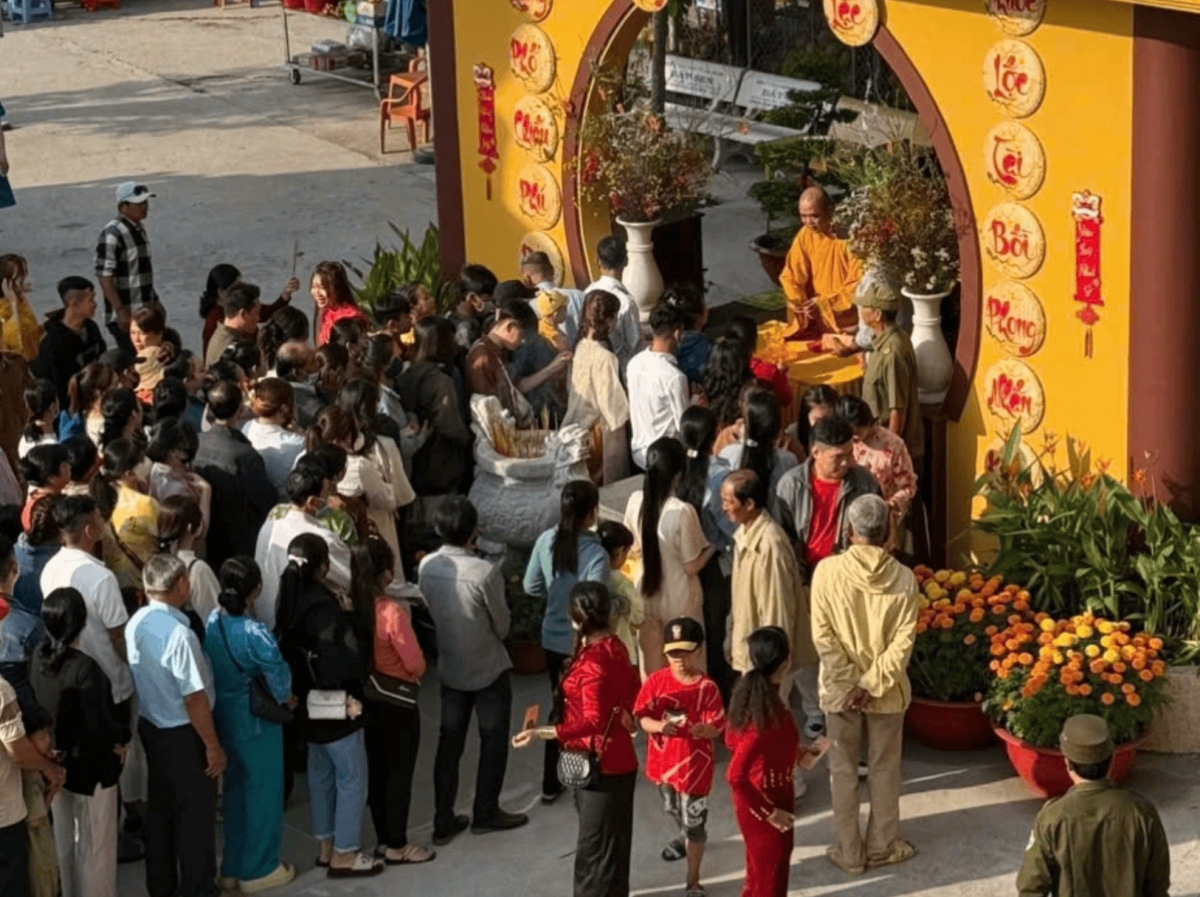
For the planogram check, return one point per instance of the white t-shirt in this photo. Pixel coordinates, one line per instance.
(283, 524)
(205, 587)
(12, 730)
(658, 396)
(72, 568)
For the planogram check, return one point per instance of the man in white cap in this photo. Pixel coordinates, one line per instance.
(123, 261)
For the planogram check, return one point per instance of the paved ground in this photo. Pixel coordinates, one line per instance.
(192, 100)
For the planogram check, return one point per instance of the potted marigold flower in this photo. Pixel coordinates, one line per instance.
(960, 612)
(1048, 670)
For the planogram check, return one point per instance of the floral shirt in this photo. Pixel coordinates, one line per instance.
(884, 455)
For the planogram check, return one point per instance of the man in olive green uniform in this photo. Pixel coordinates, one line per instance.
(890, 378)
(1097, 840)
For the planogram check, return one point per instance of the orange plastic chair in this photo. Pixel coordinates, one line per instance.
(407, 106)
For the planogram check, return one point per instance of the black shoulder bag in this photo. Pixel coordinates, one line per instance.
(581, 769)
(262, 702)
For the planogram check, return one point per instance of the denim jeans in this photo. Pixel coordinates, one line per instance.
(494, 708)
(337, 790)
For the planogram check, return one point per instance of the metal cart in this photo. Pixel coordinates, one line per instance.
(302, 62)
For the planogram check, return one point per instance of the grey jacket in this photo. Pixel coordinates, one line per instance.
(794, 493)
(465, 595)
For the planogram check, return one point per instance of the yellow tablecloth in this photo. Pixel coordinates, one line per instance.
(805, 368)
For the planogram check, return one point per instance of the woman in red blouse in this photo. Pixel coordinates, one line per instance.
(333, 298)
(598, 692)
(765, 745)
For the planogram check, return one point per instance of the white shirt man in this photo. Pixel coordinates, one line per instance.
(658, 389)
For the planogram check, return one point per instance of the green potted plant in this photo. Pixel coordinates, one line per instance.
(387, 269)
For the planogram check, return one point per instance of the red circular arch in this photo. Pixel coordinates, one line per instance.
(616, 21)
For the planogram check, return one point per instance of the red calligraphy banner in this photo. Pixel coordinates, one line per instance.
(1085, 209)
(485, 101)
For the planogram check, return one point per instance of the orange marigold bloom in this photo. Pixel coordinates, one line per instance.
(994, 665)
(1002, 673)
(1107, 699)
(1159, 668)
(1156, 644)
(1021, 605)
(969, 640)
(1025, 660)
(991, 630)
(1119, 667)
(999, 610)
(1097, 666)
(922, 627)
(1072, 690)
(1133, 700)
(976, 616)
(1128, 688)
(1012, 644)
(1085, 689)
(1139, 663)
(1146, 676)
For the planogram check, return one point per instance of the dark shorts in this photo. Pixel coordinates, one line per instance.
(690, 813)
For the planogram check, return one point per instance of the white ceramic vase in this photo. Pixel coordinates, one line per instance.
(642, 277)
(934, 364)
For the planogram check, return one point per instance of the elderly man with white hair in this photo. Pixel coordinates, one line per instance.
(864, 622)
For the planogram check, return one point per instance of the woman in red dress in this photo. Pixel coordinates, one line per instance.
(598, 692)
(765, 743)
(333, 298)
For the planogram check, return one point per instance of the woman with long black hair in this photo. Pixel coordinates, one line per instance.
(563, 556)
(596, 706)
(673, 548)
(725, 373)
(759, 449)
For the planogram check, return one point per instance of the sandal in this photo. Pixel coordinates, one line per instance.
(362, 867)
(899, 852)
(676, 850)
(697, 891)
(410, 854)
(831, 855)
(320, 863)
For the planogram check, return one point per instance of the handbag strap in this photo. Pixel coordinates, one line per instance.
(607, 729)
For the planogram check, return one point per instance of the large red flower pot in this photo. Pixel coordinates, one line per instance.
(1045, 771)
(948, 725)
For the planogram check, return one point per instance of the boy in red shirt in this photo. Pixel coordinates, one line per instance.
(680, 709)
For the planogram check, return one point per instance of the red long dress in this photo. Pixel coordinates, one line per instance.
(760, 777)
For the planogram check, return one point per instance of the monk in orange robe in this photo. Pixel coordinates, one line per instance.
(820, 274)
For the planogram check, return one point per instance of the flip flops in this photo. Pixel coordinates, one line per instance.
(362, 867)
(899, 852)
(676, 850)
(410, 855)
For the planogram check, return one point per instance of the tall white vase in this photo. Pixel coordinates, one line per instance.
(642, 277)
(934, 364)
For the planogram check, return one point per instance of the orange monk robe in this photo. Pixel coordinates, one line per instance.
(822, 268)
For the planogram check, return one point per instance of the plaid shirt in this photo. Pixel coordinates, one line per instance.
(123, 253)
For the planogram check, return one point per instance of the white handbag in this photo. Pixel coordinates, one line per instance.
(326, 703)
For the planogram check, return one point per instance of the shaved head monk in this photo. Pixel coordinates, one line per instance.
(820, 274)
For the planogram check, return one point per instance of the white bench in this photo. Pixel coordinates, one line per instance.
(877, 125)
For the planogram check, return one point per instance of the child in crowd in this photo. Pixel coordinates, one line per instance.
(43, 858)
(47, 470)
(628, 610)
(680, 709)
(551, 308)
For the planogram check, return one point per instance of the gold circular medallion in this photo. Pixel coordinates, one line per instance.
(535, 9)
(1013, 159)
(538, 196)
(531, 57)
(534, 128)
(1016, 17)
(854, 22)
(1013, 78)
(1014, 395)
(1013, 239)
(536, 241)
(650, 5)
(1014, 317)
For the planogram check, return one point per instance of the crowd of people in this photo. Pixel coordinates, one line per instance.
(227, 564)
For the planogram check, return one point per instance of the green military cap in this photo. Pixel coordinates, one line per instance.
(1085, 739)
(875, 292)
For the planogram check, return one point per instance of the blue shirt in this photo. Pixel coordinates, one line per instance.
(255, 650)
(31, 559)
(541, 580)
(692, 354)
(167, 664)
(718, 528)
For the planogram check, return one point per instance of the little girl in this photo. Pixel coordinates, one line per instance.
(628, 611)
(43, 857)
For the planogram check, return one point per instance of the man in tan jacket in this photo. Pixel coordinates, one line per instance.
(864, 622)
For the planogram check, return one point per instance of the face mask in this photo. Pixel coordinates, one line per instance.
(576, 626)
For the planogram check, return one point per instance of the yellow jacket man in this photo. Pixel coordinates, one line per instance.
(864, 623)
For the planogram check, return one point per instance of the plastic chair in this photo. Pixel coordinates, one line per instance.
(27, 10)
(407, 106)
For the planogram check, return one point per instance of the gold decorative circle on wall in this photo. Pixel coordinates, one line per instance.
(1016, 17)
(531, 57)
(535, 9)
(538, 196)
(650, 5)
(1014, 317)
(536, 241)
(1013, 239)
(534, 128)
(1013, 78)
(1014, 159)
(1014, 395)
(854, 22)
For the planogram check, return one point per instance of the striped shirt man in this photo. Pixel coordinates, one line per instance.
(123, 253)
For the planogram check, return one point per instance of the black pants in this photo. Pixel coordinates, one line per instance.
(14, 860)
(605, 837)
(493, 705)
(555, 663)
(181, 845)
(393, 738)
(717, 602)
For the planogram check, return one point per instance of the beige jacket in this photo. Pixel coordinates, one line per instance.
(864, 622)
(767, 592)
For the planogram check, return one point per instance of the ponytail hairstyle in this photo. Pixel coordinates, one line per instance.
(169, 399)
(334, 424)
(271, 396)
(83, 457)
(287, 324)
(245, 354)
(370, 560)
(118, 408)
(307, 555)
(40, 396)
(688, 303)
(665, 461)
(42, 528)
(239, 578)
(591, 607)
(813, 398)
(599, 315)
(89, 386)
(698, 432)
(761, 421)
(42, 463)
(220, 278)
(64, 615)
(755, 700)
(578, 500)
(360, 399)
(120, 457)
(178, 516)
